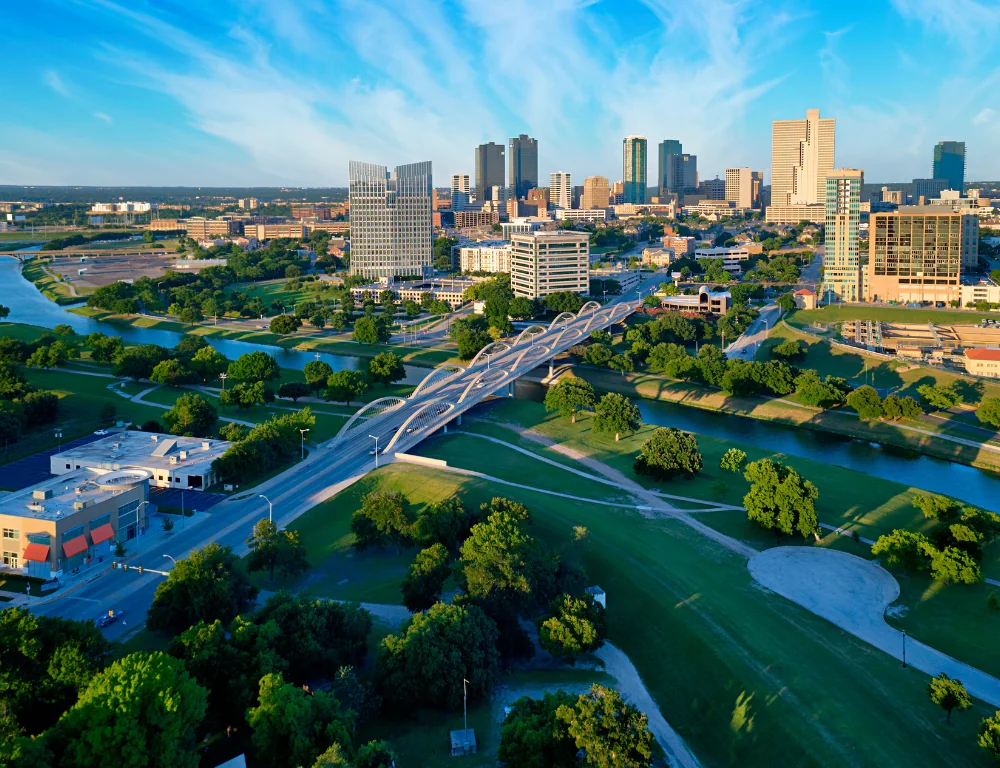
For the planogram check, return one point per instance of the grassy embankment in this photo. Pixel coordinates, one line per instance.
(684, 608)
(51, 285)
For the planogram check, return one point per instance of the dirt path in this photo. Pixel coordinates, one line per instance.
(853, 593)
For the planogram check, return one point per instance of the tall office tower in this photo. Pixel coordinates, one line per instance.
(522, 157)
(949, 163)
(489, 170)
(391, 220)
(842, 262)
(617, 194)
(713, 189)
(560, 190)
(634, 169)
(739, 187)
(595, 192)
(460, 191)
(801, 159)
(917, 253)
(756, 187)
(683, 175)
(666, 150)
(548, 262)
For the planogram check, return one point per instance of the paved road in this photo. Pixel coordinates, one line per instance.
(324, 472)
(746, 346)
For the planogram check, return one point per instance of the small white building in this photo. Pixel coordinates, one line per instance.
(485, 256)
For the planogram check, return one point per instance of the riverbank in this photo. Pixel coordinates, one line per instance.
(781, 411)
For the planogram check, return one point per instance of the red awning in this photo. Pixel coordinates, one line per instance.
(37, 553)
(75, 546)
(102, 533)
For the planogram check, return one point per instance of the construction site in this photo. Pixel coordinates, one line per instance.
(923, 341)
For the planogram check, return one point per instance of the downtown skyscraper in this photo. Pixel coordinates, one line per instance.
(801, 158)
(634, 169)
(949, 163)
(489, 170)
(842, 276)
(522, 160)
(392, 232)
(676, 172)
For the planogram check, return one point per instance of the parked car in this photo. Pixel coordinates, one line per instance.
(101, 432)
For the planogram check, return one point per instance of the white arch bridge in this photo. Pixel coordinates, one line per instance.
(450, 390)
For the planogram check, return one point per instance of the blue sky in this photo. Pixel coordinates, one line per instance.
(276, 92)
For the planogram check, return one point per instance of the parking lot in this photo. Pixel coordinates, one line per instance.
(35, 468)
(197, 501)
(104, 269)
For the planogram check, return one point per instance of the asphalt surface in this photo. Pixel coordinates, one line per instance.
(35, 468)
(323, 473)
(197, 501)
(746, 346)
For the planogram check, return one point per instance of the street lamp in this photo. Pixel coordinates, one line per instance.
(303, 452)
(904, 649)
(375, 438)
(171, 559)
(59, 438)
(270, 507)
(223, 377)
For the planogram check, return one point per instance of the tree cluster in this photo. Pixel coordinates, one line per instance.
(264, 447)
(780, 499)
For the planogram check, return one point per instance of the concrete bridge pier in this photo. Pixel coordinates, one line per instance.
(510, 389)
(552, 371)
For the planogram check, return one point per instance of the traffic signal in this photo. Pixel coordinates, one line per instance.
(140, 570)
(114, 565)
(124, 566)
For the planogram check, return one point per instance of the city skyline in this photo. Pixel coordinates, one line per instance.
(257, 94)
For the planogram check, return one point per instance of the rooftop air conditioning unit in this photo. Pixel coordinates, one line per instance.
(183, 455)
(205, 445)
(78, 490)
(155, 438)
(36, 507)
(173, 459)
(82, 504)
(42, 493)
(115, 446)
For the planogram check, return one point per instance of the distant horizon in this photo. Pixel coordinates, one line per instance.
(262, 94)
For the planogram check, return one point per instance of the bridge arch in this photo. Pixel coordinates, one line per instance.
(575, 332)
(424, 413)
(561, 319)
(372, 410)
(531, 331)
(486, 378)
(534, 350)
(494, 348)
(435, 377)
(589, 308)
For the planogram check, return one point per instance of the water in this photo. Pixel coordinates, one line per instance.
(28, 305)
(972, 485)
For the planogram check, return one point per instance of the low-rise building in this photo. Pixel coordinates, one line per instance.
(732, 257)
(476, 218)
(979, 292)
(983, 361)
(201, 228)
(170, 461)
(523, 225)
(484, 256)
(681, 246)
(64, 522)
(581, 214)
(295, 231)
(657, 257)
(627, 279)
(549, 262)
(804, 299)
(704, 301)
(333, 227)
(450, 289)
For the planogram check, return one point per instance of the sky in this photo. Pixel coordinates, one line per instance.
(286, 92)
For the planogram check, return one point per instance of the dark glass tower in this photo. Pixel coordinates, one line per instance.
(522, 159)
(949, 163)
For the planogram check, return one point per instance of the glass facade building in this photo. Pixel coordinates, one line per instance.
(634, 169)
(949, 163)
(522, 159)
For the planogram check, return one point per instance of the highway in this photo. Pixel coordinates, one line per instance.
(746, 346)
(399, 425)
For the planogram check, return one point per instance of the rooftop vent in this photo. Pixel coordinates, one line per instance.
(205, 445)
(36, 507)
(155, 438)
(42, 493)
(184, 455)
(82, 504)
(173, 459)
(115, 446)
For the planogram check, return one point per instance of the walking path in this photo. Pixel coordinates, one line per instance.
(853, 593)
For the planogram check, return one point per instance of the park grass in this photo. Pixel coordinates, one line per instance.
(840, 313)
(24, 332)
(273, 290)
(156, 322)
(50, 285)
(700, 633)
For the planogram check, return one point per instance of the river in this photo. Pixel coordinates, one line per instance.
(28, 305)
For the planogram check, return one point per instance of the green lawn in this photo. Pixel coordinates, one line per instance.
(49, 283)
(840, 313)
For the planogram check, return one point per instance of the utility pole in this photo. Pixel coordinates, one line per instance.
(465, 706)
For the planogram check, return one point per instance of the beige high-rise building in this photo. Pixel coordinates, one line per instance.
(595, 192)
(802, 154)
(560, 189)
(739, 187)
(842, 276)
(917, 253)
(549, 262)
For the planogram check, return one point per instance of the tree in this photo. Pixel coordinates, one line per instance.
(866, 401)
(316, 373)
(989, 735)
(903, 548)
(573, 625)
(293, 390)
(895, 408)
(598, 354)
(790, 349)
(246, 394)
(284, 324)
(428, 573)
(446, 522)
(810, 389)
(141, 711)
(345, 386)
(138, 362)
(780, 499)
(988, 411)
(621, 363)
(254, 366)
(375, 754)
(952, 565)
(569, 396)
(733, 460)
(387, 368)
(616, 414)
(425, 664)
(949, 694)
(208, 364)
(104, 349)
(612, 733)
(383, 520)
(668, 454)
(272, 549)
(531, 736)
(786, 302)
(937, 507)
(941, 396)
(521, 308)
(191, 414)
(293, 727)
(369, 330)
(206, 585)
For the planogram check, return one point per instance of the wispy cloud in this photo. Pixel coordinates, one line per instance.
(103, 116)
(52, 79)
(961, 20)
(836, 72)
(986, 117)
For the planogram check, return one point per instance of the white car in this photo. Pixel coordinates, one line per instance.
(102, 432)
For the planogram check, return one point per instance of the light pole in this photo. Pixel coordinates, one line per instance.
(270, 507)
(303, 452)
(59, 438)
(223, 377)
(375, 438)
(171, 559)
(904, 649)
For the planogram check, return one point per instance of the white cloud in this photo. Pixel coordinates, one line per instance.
(52, 79)
(836, 72)
(964, 21)
(103, 116)
(986, 116)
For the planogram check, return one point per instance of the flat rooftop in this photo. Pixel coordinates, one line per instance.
(55, 497)
(147, 450)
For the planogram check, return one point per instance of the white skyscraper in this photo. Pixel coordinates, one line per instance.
(739, 187)
(560, 190)
(391, 219)
(460, 191)
(801, 159)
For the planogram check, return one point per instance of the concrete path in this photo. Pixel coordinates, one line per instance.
(140, 398)
(853, 593)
